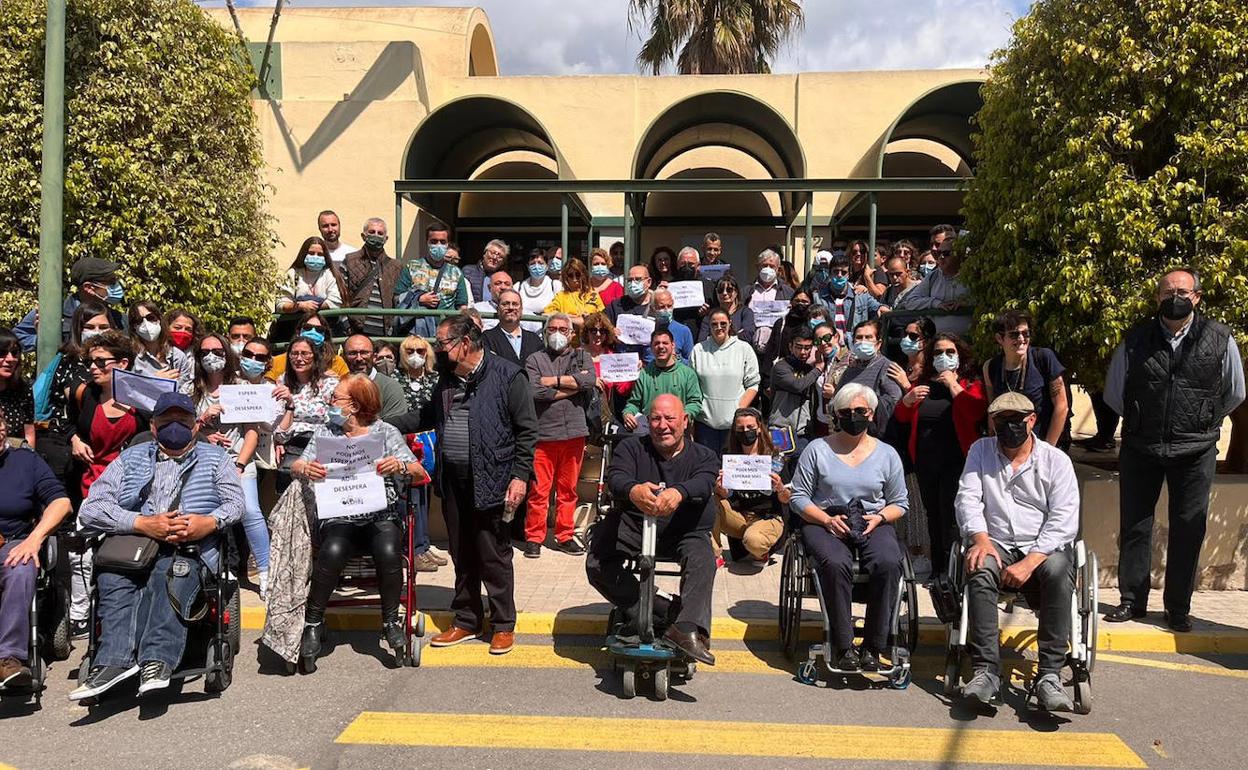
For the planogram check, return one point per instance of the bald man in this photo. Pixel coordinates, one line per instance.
(666, 475)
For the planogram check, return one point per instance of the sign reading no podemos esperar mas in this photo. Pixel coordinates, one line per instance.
(352, 485)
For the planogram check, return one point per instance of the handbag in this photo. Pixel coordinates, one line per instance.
(126, 553)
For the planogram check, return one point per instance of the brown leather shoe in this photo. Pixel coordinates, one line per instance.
(452, 636)
(14, 674)
(502, 642)
(690, 644)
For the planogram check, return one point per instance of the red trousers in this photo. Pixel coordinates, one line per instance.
(557, 464)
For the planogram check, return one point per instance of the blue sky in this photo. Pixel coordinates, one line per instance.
(558, 37)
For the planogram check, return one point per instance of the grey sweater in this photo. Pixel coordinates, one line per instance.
(561, 417)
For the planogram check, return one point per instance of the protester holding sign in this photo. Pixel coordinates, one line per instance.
(728, 298)
(753, 519)
(598, 339)
(353, 412)
(215, 364)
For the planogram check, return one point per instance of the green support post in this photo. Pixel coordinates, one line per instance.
(52, 187)
(810, 231)
(563, 227)
(398, 226)
(629, 261)
(871, 241)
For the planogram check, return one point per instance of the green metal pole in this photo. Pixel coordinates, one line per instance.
(810, 232)
(52, 186)
(398, 226)
(871, 242)
(563, 227)
(629, 261)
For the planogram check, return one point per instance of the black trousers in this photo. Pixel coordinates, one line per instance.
(1106, 417)
(833, 561)
(938, 488)
(617, 539)
(339, 539)
(1188, 481)
(1049, 590)
(480, 547)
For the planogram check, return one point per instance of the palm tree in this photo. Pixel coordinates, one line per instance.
(714, 37)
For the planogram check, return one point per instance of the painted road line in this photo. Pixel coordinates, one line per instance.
(1173, 666)
(738, 739)
(1157, 640)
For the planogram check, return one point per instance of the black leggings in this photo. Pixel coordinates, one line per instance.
(339, 539)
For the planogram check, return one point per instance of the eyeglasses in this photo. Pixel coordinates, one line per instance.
(1019, 334)
(825, 339)
(262, 357)
(441, 344)
(101, 363)
(210, 352)
(914, 336)
(845, 414)
(299, 355)
(1181, 293)
(358, 353)
(803, 348)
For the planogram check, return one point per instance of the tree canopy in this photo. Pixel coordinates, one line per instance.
(714, 37)
(162, 156)
(1112, 145)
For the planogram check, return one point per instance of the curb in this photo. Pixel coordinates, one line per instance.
(931, 633)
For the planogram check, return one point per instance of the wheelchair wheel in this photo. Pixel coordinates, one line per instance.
(807, 673)
(792, 580)
(234, 628)
(660, 683)
(628, 679)
(908, 623)
(1083, 694)
(60, 645)
(953, 671)
(413, 654)
(1088, 588)
(901, 680)
(219, 680)
(420, 625)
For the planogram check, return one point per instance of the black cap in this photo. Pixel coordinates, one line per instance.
(92, 270)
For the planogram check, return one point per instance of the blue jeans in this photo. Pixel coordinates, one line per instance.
(420, 526)
(17, 590)
(715, 439)
(254, 525)
(137, 618)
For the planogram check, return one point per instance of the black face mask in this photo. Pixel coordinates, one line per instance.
(1176, 308)
(747, 437)
(1012, 433)
(442, 362)
(686, 272)
(854, 424)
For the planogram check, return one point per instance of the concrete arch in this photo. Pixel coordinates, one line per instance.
(943, 115)
(482, 56)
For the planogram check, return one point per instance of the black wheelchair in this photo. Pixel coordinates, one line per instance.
(212, 641)
(1084, 625)
(49, 624)
(798, 582)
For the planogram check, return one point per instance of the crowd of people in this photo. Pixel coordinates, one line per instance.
(862, 368)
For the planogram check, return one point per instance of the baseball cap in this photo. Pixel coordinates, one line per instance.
(174, 400)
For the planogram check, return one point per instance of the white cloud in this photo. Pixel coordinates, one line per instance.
(561, 37)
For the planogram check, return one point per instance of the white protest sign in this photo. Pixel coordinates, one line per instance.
(634, 329)
(714, 272)
(687, 294)
(747, 472)
(619, 367)
(140, 390)
(352, 485)
(768, 311)
(248, 404)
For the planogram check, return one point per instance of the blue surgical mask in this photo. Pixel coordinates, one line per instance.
(839, 282)
(599, 271)
(115, 293)
(910, 347)
(663, 316)
(864, 350)
(556, 265)
(537, 270)
(174, 436)
(636, 289)
(251, 368)
(315, 336)
(314, 262)
(336, 417)
(925, 270)
(945, 363)
(437, 251)
(816, 322)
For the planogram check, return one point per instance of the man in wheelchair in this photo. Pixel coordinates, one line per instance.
(666, 475)
(155, 499)
(1018, 511)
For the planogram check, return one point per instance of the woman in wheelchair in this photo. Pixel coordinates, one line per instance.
(353, 413)
(848, 489)
(32, 492)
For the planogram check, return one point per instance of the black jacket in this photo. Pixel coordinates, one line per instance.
(495, 341)
(693, 472)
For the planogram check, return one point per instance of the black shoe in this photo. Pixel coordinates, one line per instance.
(100, 679)
(570, 546)
(689, 643)
(847, 660)
(532, 550)
(1179, 622)
(868, 660)
(396, 637)
(1124, 612)
(154, 675)
(310, 645)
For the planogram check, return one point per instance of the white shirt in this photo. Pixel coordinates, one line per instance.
(296, 285)
(342, 251)
(534, 299)
(489, 315)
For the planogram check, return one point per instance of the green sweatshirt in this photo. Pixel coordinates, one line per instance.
(680, 381)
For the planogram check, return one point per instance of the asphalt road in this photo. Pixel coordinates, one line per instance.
(548, 705)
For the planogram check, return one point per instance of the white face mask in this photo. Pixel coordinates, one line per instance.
(89, 333)
(415, 360)
(212, 362)
(945, 363)
(237, 347)
(148, 330)
(557, 341)
(767, 274)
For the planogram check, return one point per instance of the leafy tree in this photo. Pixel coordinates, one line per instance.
(162, 156)
(714, 37)
(1113, 144)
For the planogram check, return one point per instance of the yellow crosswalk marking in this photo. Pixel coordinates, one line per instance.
(758, 739)
(1172, 666)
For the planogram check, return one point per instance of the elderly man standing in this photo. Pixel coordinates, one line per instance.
(942, 290)
(499, 282)
(370, 275)
(1173, 379)
(688, 263)
(174, 491)
(482, 409)
(1018, 508)
(508, 338)
(562, 377)
(666, 475)
(768, 288)
(480, 277)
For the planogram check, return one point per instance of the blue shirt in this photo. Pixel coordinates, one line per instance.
(29, 486)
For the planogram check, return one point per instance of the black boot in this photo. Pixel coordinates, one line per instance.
(310, 646)
(396, 637)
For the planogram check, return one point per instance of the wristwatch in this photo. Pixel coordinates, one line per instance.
(240, 466)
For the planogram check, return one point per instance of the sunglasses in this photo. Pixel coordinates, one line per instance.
(219, 352)
(261, 357)
(914, 336)
(312, 327)
(860, 411)
(101, 363)
(1019, 334)
(825, 339)
(150, 317)
(727, 290)
(720, 325)
(596, 330)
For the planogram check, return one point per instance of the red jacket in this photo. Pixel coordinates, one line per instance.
(970, 407)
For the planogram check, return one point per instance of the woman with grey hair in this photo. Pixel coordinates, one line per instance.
(848, 489)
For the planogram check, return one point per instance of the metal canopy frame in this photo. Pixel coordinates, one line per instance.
(634, 190)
